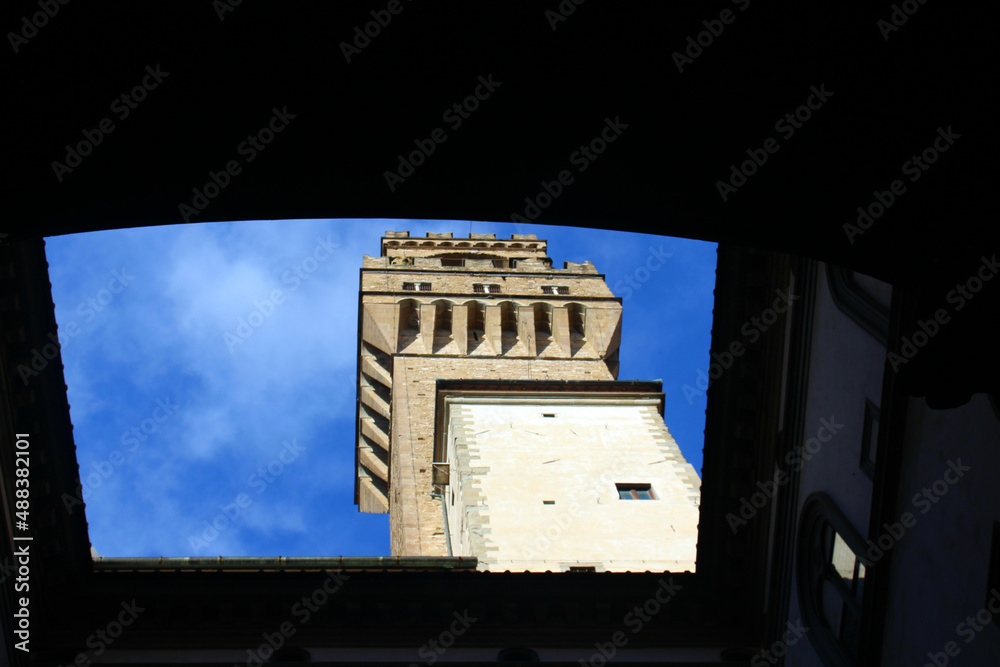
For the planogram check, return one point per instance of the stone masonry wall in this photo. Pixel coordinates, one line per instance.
(416, 520)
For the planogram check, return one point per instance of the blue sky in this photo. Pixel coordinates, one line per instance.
(177, 425)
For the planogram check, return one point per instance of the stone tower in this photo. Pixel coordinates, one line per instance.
(490, 421)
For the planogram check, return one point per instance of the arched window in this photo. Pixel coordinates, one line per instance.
(475, 310)
(409, 315)
(858, 304)
(442, 317)
(577, 319)
(543, 318)
(508, 318)
(831, 577)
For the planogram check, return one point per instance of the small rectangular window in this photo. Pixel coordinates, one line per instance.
(409, 287)
(485, 287)
(494, 289)
(555, 289)
(425, 287)
(635, 492)
(449, 261)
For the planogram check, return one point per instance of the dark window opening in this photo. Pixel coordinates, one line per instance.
(635, 492)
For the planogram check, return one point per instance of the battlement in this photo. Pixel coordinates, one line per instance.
(473, 263)
(399, 244)
(449, 235)
(442, 251)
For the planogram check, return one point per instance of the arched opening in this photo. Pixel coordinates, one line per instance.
(508, 318)
(832, 564)
(543, 319)
(443, 317)
(476, 316)
(409, 315)
(577, 319)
